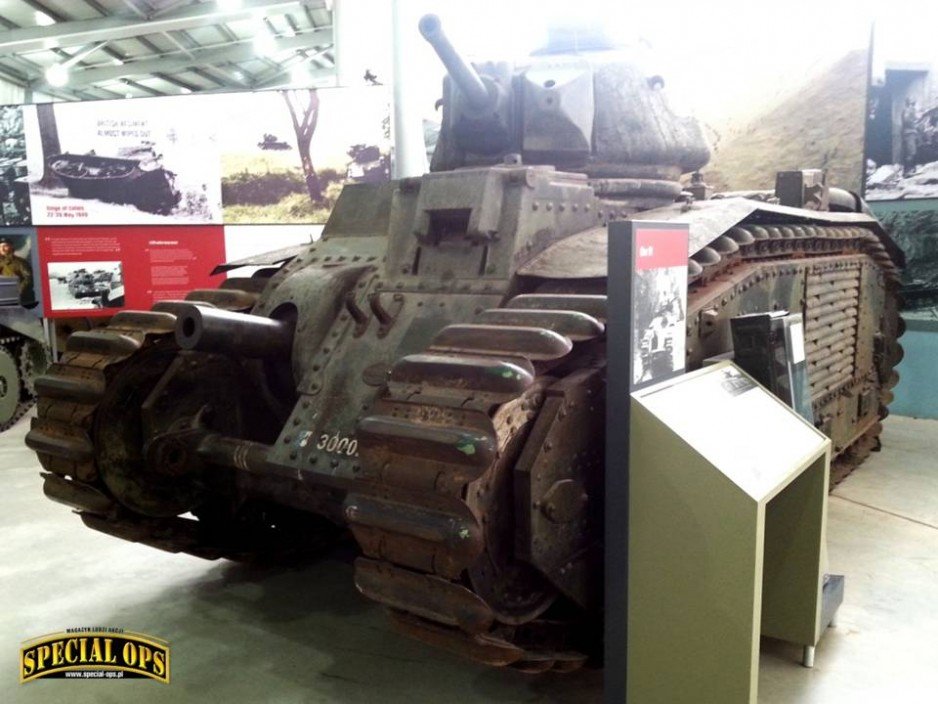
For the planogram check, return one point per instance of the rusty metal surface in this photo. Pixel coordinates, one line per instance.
(430, 375)
(584, 254)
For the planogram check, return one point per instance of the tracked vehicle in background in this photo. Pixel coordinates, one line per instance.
(431, 374)
(24, 354)
(134, 177)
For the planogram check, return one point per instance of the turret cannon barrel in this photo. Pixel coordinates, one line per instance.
(213, 330)
(461, 71)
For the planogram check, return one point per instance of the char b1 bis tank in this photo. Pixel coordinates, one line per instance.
(430, 375)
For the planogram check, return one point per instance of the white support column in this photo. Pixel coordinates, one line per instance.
(343, 42)
(410, 153)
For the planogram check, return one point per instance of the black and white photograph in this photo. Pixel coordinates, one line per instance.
(659, 308)
(81, 285)
(902, 113)
(121, 162)
(288, 155)
(914, 227)
(18, 259)
(14, 189)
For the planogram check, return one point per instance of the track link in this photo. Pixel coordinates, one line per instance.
(453, 416)
(458, 409)
(832, 309)
(61, 434)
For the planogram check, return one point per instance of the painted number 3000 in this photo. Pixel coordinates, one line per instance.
(338, 444)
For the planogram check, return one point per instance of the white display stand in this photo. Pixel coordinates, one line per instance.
(727, 515)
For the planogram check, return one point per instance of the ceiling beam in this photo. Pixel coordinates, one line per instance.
(73, 32)
(199, 57)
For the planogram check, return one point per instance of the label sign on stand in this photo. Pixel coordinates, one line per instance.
(647, 311)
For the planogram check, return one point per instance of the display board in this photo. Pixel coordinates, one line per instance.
(727, 516)
(261, 157)
(902, 115)
(658, 300)
(14, 189)
(183, 166)
(646, 318)
(758, 458)
(97, 271)
(287, 155)
(913, 224)
(123, 162)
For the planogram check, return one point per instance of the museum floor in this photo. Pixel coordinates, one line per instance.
(241, 634)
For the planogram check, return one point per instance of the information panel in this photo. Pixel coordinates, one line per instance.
(646, 320)
(659, 300)
(91, 271)
(759, 458)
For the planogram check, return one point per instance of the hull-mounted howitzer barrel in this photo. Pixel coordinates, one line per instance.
(461, 71)
(213, 330)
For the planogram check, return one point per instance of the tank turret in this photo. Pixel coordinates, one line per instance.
(430, 375)
(579, 104)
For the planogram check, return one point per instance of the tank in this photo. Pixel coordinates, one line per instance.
(24, 355)
(270, 142)
(135, 177)
(430, 375)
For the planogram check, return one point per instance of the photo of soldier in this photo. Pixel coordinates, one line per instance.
(909, 136)
(901, 143)
(15, 253)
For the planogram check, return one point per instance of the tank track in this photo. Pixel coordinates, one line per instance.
(831, 307)
(438, 400)
(11, 346)
(69, 396)
(454, 417)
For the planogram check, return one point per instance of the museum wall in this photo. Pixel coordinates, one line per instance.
(126, 202)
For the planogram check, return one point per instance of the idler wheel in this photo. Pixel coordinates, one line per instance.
(144, 455)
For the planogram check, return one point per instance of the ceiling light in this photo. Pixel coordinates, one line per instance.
(42, 19)
(128, 95)
(238, 75)
(57, 75)
(185, 90)
(117, 62)
(265, 44)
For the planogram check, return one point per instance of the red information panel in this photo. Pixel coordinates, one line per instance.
(96, 271)
(660, 248)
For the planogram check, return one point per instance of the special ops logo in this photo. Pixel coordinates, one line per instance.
(94, 653)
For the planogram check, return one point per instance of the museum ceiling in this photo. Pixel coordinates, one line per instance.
(96, 49)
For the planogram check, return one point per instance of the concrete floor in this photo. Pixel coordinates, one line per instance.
(241, 634)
